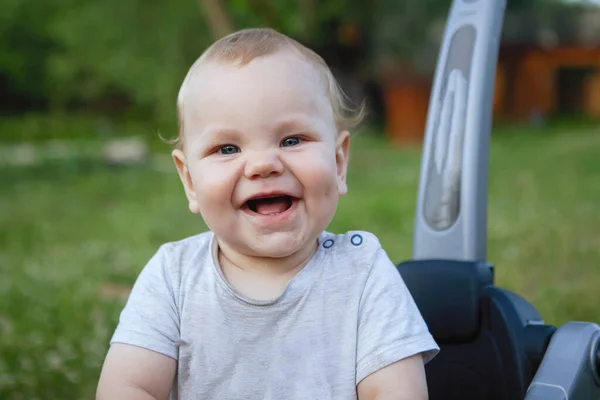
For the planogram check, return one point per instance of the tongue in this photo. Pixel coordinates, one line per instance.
(274, 206)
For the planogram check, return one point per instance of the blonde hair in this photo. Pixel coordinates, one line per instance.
(240, 48)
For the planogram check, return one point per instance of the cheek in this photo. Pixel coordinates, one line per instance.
(319, 175)
(214, 185)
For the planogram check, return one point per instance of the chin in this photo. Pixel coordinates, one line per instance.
(278, 245)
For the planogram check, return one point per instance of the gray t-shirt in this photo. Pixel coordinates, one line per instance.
(345, 315)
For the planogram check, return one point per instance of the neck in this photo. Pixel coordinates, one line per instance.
(266, 266)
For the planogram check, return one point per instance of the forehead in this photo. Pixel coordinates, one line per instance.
(280, 85)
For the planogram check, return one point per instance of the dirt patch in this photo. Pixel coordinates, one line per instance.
(115, 291)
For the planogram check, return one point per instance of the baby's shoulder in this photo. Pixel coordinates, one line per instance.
(188, 254)
(189, 247)
(356, 248)
(358, 241)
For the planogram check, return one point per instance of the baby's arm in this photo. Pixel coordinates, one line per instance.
(394, 342)
(142, 360)
(402, 380)
(134, 373)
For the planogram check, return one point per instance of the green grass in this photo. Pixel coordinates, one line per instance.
(74, 236)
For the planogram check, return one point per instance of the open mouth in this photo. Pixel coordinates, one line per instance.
(271, 205)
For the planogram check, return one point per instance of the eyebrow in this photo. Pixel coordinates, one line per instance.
(303, 123)
(218, 133)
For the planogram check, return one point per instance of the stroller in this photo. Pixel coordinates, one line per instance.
(494, 344)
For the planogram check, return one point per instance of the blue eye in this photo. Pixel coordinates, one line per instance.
(228, 149)
(291, 141)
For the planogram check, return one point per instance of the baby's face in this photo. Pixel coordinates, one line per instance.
(263, 162)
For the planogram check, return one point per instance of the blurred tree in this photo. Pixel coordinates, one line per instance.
(134, 49)
(24, 49)
(217, 18)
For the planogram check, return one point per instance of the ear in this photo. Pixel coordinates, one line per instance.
(184, 174)
(341, 159)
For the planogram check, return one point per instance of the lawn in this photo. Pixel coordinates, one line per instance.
(75, 235)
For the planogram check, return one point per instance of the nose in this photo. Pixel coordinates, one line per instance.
(263, 164)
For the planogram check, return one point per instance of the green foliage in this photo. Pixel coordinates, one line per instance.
(404, 26)
(305, 20)
(139, 48)
(132, 54)
(42, 127)
(91, 52)
(25, 43)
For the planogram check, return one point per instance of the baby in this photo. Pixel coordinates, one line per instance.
(267, 304)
